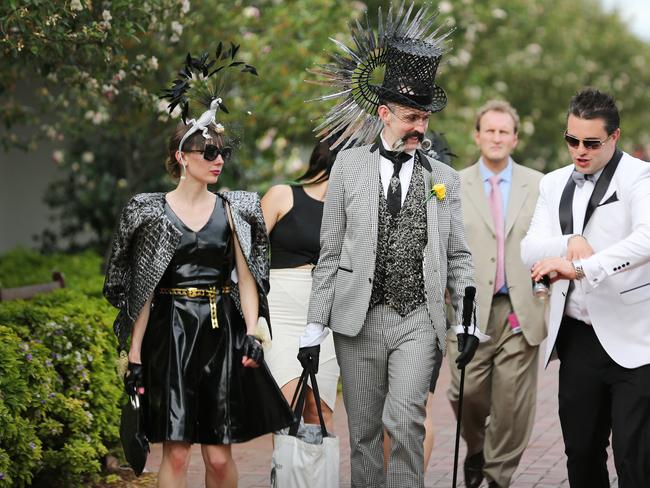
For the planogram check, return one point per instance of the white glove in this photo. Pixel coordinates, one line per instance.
(313, 335)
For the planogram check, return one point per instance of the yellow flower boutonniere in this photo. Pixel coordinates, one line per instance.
(439, 190)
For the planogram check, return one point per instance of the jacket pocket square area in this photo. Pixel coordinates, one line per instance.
(635, 294)
(613, 198)
(345, 269)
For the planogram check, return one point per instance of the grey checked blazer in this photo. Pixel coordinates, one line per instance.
(342, 282)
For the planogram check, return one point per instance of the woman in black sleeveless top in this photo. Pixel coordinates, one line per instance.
(293, 216)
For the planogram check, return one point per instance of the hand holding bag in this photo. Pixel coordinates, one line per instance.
(306, 455)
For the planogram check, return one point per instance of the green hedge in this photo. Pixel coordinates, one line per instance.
(59, 392)
(82, 271)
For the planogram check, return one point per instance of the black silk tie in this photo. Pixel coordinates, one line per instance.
(394, 197)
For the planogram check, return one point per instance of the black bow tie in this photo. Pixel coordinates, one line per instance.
(398, 158)
(580, 178)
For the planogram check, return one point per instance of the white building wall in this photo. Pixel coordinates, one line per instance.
(24, 179)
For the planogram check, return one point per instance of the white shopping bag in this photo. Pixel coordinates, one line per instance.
(297, 464)
(305, 455)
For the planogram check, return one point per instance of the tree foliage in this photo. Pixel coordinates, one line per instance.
(115, 137)
(113, 127)
(72, 54)
(537, 55)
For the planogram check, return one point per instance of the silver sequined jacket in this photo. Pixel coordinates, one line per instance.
(144, 245)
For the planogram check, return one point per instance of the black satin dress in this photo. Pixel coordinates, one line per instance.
(196, 389)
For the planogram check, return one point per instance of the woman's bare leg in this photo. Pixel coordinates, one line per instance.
(289, 389)
(173, 467)
(310, 413)
(220, 467)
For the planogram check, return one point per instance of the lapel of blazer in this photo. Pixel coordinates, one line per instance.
(518, 195)
(476, 195)
(369, 177)
(433, 236)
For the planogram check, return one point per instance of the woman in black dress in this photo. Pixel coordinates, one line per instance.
(189, 273)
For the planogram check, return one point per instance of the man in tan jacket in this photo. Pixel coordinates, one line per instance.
(498, 198)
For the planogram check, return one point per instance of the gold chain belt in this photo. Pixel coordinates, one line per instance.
(191, 292)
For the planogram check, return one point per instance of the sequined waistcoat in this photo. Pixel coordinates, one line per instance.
(399, 280)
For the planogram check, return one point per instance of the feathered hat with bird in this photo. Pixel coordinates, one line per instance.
(202, 84)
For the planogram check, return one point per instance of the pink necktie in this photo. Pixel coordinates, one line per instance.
(496, 206)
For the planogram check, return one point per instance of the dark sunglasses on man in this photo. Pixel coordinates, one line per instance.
(590, 144)
(212, 152)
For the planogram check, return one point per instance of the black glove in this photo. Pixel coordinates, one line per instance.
(308, 357)
(133, 378)
(467, 346)
(253, 349)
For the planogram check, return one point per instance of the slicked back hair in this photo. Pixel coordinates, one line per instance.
(591, 103)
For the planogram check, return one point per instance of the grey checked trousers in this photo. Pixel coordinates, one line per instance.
(385, 371)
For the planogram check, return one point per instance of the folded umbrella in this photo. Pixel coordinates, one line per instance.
(134, 440)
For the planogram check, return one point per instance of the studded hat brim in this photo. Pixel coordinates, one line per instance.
(438, 100)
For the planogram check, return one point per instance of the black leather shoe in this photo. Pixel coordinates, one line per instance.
(473, 469)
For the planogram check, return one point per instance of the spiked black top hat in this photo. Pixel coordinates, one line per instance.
(409, 44)
(411, 66)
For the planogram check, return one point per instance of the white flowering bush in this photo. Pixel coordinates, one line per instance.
(76, 53)
(100, 67)
(121, 120)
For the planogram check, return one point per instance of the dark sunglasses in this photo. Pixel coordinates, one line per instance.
(590, 144)
(212, 152)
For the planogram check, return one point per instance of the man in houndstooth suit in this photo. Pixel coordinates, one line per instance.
(392, 240)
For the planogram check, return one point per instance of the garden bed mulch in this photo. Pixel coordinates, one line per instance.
(125, 478)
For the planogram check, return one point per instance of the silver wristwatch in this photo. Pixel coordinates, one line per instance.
(577, 267)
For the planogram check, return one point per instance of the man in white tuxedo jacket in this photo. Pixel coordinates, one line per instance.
(591, 234)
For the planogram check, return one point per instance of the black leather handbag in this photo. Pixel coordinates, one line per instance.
(134, 440)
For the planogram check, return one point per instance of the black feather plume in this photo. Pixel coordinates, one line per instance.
(201, 80)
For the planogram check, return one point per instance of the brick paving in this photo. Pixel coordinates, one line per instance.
(542, 466)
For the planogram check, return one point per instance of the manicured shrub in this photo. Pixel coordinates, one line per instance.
(82, 271)
(25, 384)
(59, 392)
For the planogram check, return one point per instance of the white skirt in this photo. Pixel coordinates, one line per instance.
(288, 303)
